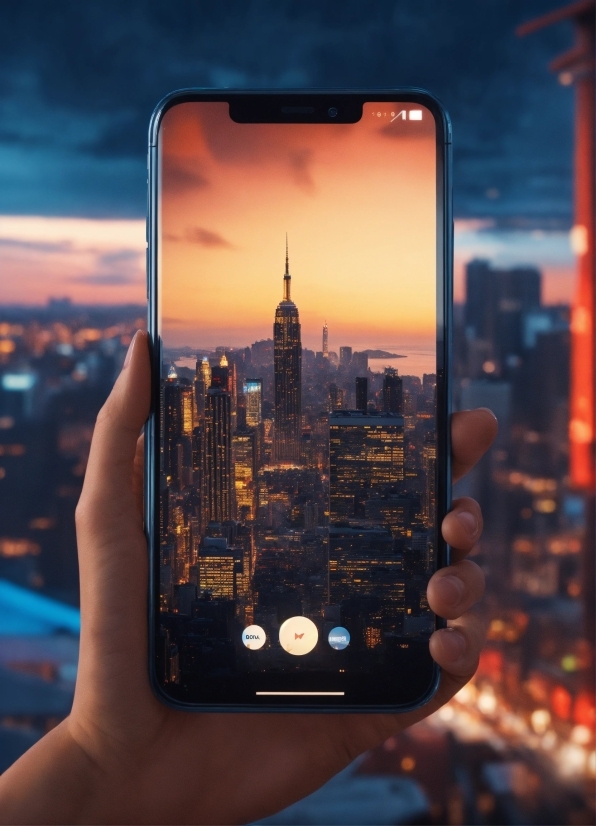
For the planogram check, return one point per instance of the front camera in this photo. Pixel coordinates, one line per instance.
(332, 112)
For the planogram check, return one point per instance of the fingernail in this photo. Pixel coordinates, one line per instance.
(454, 644)
(130, 349)
(488, 410)
(451, 589)
(469, 522)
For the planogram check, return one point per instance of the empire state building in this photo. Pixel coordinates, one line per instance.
(287, 362)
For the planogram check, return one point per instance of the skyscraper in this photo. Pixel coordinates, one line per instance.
(217, 478)
(287, 365)
(216, 568)
(366, 458)
(345, 356)
(178, 410)
(325, 341)
(496, 301)
(253, 392)
(392, 392)
(244, 454)
(429, 463)
(336, 397)
(202, 384)
(362, 393)
(220, 375)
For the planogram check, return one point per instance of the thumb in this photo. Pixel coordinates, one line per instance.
(119, 422)
(111, 543)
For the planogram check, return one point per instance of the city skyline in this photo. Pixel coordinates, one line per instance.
(417, 354)
(293, 483)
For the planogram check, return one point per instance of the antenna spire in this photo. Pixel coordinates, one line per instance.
(287, 276)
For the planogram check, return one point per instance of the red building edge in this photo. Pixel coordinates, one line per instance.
(578, 67)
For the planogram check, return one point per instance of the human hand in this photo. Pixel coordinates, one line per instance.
(124, 757)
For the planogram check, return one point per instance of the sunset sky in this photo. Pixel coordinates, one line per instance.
(357, 201)
(102, 261)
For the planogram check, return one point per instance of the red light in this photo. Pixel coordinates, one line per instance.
(491, 663)
(560, 701)
(583, 710)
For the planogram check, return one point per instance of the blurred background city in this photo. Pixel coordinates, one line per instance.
(77, 86)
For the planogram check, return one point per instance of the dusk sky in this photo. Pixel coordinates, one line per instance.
(358, 203)
(78, 82)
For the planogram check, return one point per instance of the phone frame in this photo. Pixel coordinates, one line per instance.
(321, 98)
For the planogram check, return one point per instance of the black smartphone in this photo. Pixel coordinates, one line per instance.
(297, 453)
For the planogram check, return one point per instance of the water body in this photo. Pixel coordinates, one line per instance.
(415, 359)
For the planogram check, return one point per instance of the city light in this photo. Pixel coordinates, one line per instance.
(540, 719)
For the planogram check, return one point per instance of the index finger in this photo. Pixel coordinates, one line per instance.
(472, 433)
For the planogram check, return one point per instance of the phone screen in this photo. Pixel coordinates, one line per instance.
(299, 310)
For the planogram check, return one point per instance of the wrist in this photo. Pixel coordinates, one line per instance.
(53, 782)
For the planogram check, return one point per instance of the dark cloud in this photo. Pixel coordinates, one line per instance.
(207, 238)
(181, 176)
(103, 66)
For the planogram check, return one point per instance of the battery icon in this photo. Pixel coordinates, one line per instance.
(415, 114)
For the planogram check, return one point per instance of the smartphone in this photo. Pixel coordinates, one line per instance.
(297, 453)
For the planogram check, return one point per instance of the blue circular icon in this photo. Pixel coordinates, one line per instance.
(339, 638)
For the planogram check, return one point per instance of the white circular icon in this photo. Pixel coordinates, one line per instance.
(254, 637)
(298, 635)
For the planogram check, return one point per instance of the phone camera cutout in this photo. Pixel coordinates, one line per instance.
(332, 112)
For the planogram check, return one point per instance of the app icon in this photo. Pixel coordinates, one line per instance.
(339, 638)
(254, 637)
(298, 635)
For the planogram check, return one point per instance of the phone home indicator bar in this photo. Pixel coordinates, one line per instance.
(300, 693)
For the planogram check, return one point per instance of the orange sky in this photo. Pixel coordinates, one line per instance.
(357, 201)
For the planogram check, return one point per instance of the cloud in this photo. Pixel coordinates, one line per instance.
(300, 161)
(207, 238)
(119, 257)
(37, 246)
(180, 176)
(105, 279)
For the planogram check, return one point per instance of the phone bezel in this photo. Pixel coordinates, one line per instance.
(318, 99)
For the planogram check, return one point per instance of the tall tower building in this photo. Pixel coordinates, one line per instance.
(178, 409)
(244, 454)
(345, 356)
(253, 393)
(202, 384)
(429, 463)
(325, 341)
(287, 365)
(220, 375)
(336, 397)
(362, 393)
(217, 478)
(186, 397)
(392, 392)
